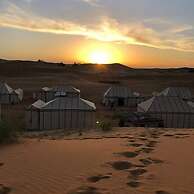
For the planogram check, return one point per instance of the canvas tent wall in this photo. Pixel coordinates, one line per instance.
(33, 115)
(175, 112)
(61, 113)
(9, 95)
(121, 96)
(47, 94)
(181, 92)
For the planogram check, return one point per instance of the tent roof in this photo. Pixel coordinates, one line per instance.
(38, 104)
(166, 104)
(181, 92)
(191, 104)
(46, 89)
(119, 92)
(18, 91)
(64, 89)
(5, 89)
(66, 103)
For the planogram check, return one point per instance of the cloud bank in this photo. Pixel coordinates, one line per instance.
(152, 32)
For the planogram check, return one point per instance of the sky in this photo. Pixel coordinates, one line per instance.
(138, 33)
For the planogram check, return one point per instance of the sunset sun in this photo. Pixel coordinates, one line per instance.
(99, 54)
(99, 57)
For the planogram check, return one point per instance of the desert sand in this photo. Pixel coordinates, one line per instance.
(117, 162)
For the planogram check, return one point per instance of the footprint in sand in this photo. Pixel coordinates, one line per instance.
(146, 161)
(98, 178)
(168, 135)
(143, 138)
(151, 144)
(85, 190)
(132, 141)
(155, 135)
(134, 184)
(4, 189)
(162, 192)
(129, 154)
(121, 165)
(182, 134)
(146, 150)
(156, 161)
(135, 173)
(181, 137)
(1, 163)
(135, 145)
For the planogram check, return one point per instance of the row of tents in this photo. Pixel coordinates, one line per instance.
(57, 108)
(116, 95)
(174, 106)
(124, 97)
(63, 108)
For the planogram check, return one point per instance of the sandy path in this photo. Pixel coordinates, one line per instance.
(63, 166)
(54, 166)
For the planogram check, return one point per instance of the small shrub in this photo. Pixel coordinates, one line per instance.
(121, 123)
(120, 115)
(4, 189)
(80, 133)
(7, 132)
(105, 126)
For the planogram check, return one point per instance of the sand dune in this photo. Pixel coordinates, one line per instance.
(102, 166)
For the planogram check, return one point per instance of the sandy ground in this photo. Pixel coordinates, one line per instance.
(122, 161)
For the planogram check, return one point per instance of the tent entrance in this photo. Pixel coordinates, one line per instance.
(121, 101)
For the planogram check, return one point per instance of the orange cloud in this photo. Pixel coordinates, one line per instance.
(108, 30)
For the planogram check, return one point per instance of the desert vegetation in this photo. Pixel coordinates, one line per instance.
(8, 133)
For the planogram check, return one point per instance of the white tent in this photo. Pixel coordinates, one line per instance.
(121, 96)
(181, 92)
(47, 94)
(175, 112)
(61, 113)
(9, 95)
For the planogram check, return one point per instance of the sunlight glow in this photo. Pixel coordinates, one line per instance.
(99, 57)
(100, 54)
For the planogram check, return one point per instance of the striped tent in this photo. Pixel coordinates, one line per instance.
(61, 113)
(175, 112)
(121, 96)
